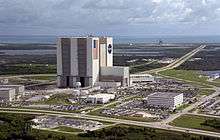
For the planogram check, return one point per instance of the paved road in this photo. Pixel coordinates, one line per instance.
(113, 120)
(204, 115)
(176, 63)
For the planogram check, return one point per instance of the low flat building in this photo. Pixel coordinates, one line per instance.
(19, 89)
(7, 94)
(115, 74)
(137, 78)
(108, 84)
(169, 100)
(98, 98)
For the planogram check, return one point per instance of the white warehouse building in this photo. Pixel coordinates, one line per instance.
(98, 98)
(168, 100)
(19, 89)
(7, 94)
(136, 78)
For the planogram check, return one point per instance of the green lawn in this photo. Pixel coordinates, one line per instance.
(46, 78)
(27, 69)
(183, 106)
(146, 66)
(57, 99)
(206, 91)
(217, 80)
(193, 121)
(189, 75)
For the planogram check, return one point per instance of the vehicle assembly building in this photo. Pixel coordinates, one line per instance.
(88, 60)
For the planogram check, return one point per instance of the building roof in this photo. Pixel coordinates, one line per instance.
(99, 96)
(164, 94)
(11, 85)
(5, 89)
(35, 98)
(84, 37)
(141, 75)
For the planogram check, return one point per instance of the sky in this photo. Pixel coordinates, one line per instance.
(110, 17)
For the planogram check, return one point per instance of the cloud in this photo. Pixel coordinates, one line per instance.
(97, 14)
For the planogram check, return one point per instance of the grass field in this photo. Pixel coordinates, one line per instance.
(206, 91)
(20, 69)
(46, 78)
(183, 106)
(57, 99)
(189, 75)
(217, 80)
(193, 121)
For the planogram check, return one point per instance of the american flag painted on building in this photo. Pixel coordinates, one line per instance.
(95, 49)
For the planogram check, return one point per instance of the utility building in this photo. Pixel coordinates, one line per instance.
(83, 59)
(98, 98)
(19, 89)
(7, 94)
(137, 78)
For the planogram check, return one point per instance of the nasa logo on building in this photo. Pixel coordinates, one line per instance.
(109, 48)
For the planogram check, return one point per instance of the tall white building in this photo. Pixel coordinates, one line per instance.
(169, 100)
(83, 59)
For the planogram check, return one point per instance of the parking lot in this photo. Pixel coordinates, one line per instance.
(53, 122)
(210, 107)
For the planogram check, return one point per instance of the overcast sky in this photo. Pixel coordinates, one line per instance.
(110, 17)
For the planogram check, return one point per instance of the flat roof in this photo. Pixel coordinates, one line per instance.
(100, 95)
(85, 37)
(114, 67)
(11, 85)
(5, 89)
(164, 94)
(147, 75)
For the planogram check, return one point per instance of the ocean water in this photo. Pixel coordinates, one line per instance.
(117, 39)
